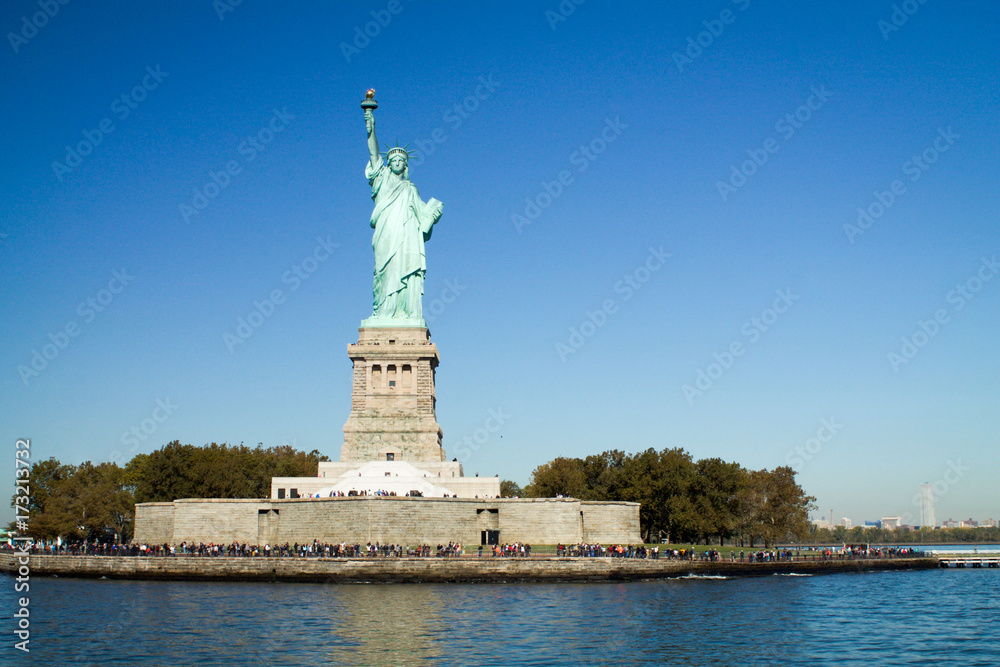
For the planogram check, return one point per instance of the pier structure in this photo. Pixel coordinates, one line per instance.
(970, 562)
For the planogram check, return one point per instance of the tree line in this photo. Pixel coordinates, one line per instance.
(926, 535)
(97, 502)
(683, 500)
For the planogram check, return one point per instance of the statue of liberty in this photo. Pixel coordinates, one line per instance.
(402, 223)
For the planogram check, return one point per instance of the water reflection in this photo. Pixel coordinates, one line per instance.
(383, 623)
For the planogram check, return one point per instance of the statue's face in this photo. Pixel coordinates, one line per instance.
(397, 164)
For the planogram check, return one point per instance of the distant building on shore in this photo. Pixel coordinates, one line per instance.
(927, 518)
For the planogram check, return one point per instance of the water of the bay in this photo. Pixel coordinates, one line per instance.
(898, 618)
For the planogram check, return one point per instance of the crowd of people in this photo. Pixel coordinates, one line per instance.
(362, 492)
(612, 551)
(515, 550)
(379, 492)
(867, 551)
(318, 549)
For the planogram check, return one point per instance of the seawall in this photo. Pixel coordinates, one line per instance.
(425, 570)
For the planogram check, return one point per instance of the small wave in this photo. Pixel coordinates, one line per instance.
(791, 574)
(703, 576)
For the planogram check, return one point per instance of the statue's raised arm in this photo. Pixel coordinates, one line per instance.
(372, 141)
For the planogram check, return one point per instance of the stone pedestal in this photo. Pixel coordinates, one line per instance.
(392, 401)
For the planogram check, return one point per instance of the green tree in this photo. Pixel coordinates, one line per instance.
(714, 496)
(660, 481)
(641, 479)
(786, 507)
(79, 502)
(97, 502)
(682, 500)
(509, 489)
(46, 519)
(215, 471)
(750, 500)
(602, 475)
(560, 476)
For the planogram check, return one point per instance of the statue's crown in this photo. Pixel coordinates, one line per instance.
(397, 150)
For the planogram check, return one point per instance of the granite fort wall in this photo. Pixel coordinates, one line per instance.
(156, 522)
(606, 522)
(377, 519)
(384, 519)
(216, 520)
(542, 521)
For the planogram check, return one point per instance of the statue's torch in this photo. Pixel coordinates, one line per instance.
(369, 104)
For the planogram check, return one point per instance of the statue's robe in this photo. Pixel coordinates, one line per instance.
(402, 222)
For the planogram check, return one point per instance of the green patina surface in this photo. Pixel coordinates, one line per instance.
(402, 222)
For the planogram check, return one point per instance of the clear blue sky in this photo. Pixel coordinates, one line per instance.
(662, 121)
